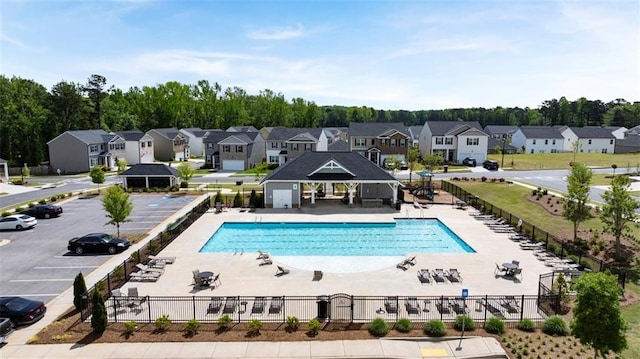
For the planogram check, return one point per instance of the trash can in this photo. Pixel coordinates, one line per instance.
(323, 307)
(238, 183)
(446, 168)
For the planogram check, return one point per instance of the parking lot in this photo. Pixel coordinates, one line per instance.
(36, 264)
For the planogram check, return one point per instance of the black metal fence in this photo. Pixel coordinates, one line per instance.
(121, 273)
(341, 308)
(561, 247)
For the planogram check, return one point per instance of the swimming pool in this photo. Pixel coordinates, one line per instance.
(338, 239)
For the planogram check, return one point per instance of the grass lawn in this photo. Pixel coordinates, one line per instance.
(631, 314)
(561, 160)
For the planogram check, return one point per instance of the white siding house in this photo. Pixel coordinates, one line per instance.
(594, 139)
(538, 139)
(454, 140)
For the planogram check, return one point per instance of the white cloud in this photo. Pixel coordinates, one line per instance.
(285, 33)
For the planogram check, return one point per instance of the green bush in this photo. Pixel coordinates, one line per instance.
(435, 328)
(163, 323)
(218, 198)
(314, 327)
(18, 209)
(555, 326)
(404, 325)
(292, 323)
(42, 201)
(237, 200)
(31, 205)
(494, 325)
(191, 327)
(255, 325)
(224, 321)
(378, 327)
(6, 213)
(527, 325)
(98, 313)
(130, 327)
(468, 323)
(53, 198)
(79, 289)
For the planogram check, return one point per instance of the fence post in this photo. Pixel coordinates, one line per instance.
(115, 308)
(193, 301)
(148, 300)
(108, 283)
(533, 232)
(522, 307)
(486, 300)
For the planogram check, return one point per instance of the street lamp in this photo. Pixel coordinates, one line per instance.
(504, 140)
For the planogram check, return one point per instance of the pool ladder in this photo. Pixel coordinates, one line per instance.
(258, 219)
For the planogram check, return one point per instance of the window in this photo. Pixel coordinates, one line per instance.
(360, 142)
(448, 140)
(239, 149)
(403, 142)
(393, 142)
(142, 144)
(610, 142)
(226, 148)
(294, 147)
(383, 142)
(93, 148)
(273, 159)
(589, 141)
(274, 144)
(93, 162)
(546, 142)
(534, 142)
(439, 140)
(283, 145)
(553, 142)
(473, 141)
(604, 150)
(373, 142)
(209, 146)
(307, 147)
(149, 144)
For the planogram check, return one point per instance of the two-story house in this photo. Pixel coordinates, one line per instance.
(454, 140)
(139, 147)
(78, 151)
(285, 144)
(538, 139)
(233, 151)
(194, 138)
(589, 139)
(377, 141)
(169, 144)
(414, 133)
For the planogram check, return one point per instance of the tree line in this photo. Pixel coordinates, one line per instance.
(31, 115)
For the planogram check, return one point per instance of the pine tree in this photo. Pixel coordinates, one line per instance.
(98, 312)
(79, 290)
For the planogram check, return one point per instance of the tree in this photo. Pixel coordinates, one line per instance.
(122, 165)
(95, 89)
(576, 209)
(79, 290)
(597, 320)
(118, 205)
(413, 155)
(618, 209)
(98, 312)
(25, 173)
(185, 173)
(97, 175)
(431, 160)
(237, 200)
(576, 146)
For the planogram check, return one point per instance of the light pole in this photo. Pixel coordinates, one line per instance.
(504, 140)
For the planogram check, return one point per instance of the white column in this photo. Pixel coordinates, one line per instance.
(313, 193)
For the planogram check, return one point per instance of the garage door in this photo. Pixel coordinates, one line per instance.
(233, 165)
(281, 198)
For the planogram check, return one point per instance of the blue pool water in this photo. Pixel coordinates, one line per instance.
(338, 239)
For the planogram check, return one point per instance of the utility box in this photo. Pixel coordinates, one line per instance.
(323, 307)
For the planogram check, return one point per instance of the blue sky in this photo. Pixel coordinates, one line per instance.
(407, 55)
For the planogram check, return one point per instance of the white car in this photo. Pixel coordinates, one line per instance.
(17, 222)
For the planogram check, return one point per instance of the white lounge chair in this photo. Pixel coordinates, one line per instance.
(166, 260)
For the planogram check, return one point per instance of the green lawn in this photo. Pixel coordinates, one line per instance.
(562, 160)
(631, 314)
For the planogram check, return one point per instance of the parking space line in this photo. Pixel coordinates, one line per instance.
(34, 295)
(42, 280)
(66, 267)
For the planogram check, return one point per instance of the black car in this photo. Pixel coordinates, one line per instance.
(98, 243)
(469, 161)
(490, 165)
(45, 211)
(21, 310)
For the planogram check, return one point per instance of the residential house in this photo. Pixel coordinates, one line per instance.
(500, 131)
(338, 145)
(414, 133)
(629, 144)
(617, 131)
(538, 139)
(242, 129)
(335, 134)
(233, 151)
(285, 144)
(169, 144)
(589, 139)
(139, 147)
(495, 145)
(78, 151)
(633, 131)
(194, 137)
(377, 141)
(454, 140)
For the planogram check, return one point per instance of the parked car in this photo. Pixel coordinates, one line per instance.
(490, 165)
(469, 161)
(404, 165)
(97, 243)
(17, 222)
(6, 328)
(45, 211)
(21, 310)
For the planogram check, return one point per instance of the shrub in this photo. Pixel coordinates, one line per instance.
(255, 325)
(163, 323)
(494, 325)
(18, 209)
(218, 198)
(555, 326)
(53, 198)
(237, 200)
(468, 323)
(404, 325)
(42, 201)
(224, 321)
(6, 213)
(79, 290)
(314, 327)
(378, 327)
(130, 327)
(191, 327)
(435, 328)
(31, 205)
(527, 325)
(292, 323)
(98, 313)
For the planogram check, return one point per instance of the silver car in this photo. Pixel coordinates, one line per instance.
(17, 222)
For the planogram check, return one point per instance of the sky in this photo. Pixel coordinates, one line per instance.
(393, 55)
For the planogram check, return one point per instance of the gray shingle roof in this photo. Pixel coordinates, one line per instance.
(286, 133)
(169, 133)
(540, 132)
(218, 136)
(150, 169)
(301, 167)
(592, 132)
(132, 135)
(242, 129)
(441, 128)
(3, 161)
(374, 129)
(500, 129)
(414, 131)
(92, 136)
(338, 145)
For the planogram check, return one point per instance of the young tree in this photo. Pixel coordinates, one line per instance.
(185, 173)
(98, 313)
(122, 165)
(118, 205)
(97, 175)
(238, 200)
(431, 160)
(79, 289)
(576, 209)
(597, 320)
(413, 155)
(618, 209)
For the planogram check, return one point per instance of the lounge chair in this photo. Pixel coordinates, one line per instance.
(146, 268)
(439, 275)
(317, 275)
(402, 265)
(493, 306)
(230, 305)
(258, 305)
(215, 305)
(144, 276)
(265, 261)
(416, 204)
(510, 303)
(411, 304)
(531, 246)
(458, 305)
(391, 304)
(442, 304)
(411, 260)
(282, 271)
(276, 305)
(167, 260)
(454, 275)
(262, 255)
(424, 276)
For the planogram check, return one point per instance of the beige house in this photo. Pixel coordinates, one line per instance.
(139, 147)
(169, 144)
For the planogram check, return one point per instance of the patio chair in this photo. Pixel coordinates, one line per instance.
(411, 304)
(454, 275)
(391, 304)
(134, 297)
(458, 305)
(317, 275)
(266, 261)
(517, 272)
(439, 275)
(282, 271)
(499, 268)
(215, 305)
(121, 300)
(276, 305)
(424, 276)
(515, 262)
(167, 260)
(216, 281)
(493, 307)
(258, 305)
(147, 269)
(402, 265)
(262, 255)
(230, 305)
